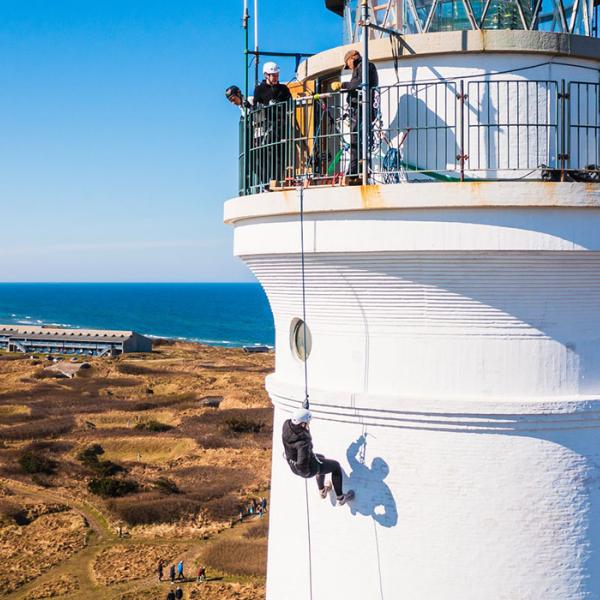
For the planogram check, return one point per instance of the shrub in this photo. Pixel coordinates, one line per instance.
(222, 509)
(41, 480)
(43, 428)
(90, 454)
(166, 486)
(244, 425)
(140, 406)
(146, 510)
(33, 462)
(105, 468)
(155, 426)
(112, 488)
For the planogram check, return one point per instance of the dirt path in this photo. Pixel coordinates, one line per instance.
(80, 565)
(92, 515)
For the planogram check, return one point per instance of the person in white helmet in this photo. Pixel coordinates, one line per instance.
(297, 443)
(270, 125)
(269, 90)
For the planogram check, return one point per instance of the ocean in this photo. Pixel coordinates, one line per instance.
(220, 314)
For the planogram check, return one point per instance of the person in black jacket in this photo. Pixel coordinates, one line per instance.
(303, 462)
(270, 124)
(269, 90)
(353, 61)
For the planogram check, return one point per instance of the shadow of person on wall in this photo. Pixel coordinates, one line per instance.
(373, 497)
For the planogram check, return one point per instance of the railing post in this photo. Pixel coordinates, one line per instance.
(366, 93)
(461, 156)
(563, 156)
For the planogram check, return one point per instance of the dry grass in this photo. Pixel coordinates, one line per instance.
(151, 508)
(215, 469)
(213, 590)
(128, 563)
(11, 410)
(26, 551)
(259, 529)
(124, 419)
(239, 556)
(40, 429)
(149, 450)
(58, 586)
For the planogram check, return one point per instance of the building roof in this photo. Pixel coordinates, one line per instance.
(42, 332)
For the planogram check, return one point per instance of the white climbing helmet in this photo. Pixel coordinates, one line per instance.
(270, 68)
(302, 415)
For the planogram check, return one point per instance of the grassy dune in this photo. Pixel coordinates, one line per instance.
(147, 450)
(131, 446)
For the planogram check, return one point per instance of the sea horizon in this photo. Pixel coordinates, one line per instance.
(229, 314)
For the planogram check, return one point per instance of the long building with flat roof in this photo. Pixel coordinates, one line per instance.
(92, 342)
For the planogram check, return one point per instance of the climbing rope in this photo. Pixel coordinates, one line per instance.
(305, 403)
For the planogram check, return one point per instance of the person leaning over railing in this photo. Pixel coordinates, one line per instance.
(353, 60)
(235, 96)
(271, 95)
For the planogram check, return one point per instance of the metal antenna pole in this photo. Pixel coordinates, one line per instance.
(256, 54)
(245, 18)
(366, 91)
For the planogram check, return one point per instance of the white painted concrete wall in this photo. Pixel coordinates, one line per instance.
(465, 343)
(511, 126)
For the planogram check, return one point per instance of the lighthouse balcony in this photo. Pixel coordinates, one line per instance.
(458, 129)
(451, 106)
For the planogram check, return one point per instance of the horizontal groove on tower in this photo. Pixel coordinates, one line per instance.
(481, 293)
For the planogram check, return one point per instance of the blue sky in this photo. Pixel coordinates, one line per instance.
(118, 148)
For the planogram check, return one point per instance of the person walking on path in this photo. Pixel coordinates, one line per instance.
(201, 574)
(178, 593)
(297, 442)
(160, 569)
(263, 503)
(172, 573)
(180, 570)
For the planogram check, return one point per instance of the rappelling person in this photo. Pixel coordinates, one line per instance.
(235, 96)
(353, 61)
(297, 443)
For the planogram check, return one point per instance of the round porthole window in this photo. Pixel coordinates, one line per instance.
(301, 339)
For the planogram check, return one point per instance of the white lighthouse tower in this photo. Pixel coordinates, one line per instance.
(452, 304)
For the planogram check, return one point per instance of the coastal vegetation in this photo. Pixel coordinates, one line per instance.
(148, 456)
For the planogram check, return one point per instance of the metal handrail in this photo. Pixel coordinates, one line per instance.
(456, 130)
